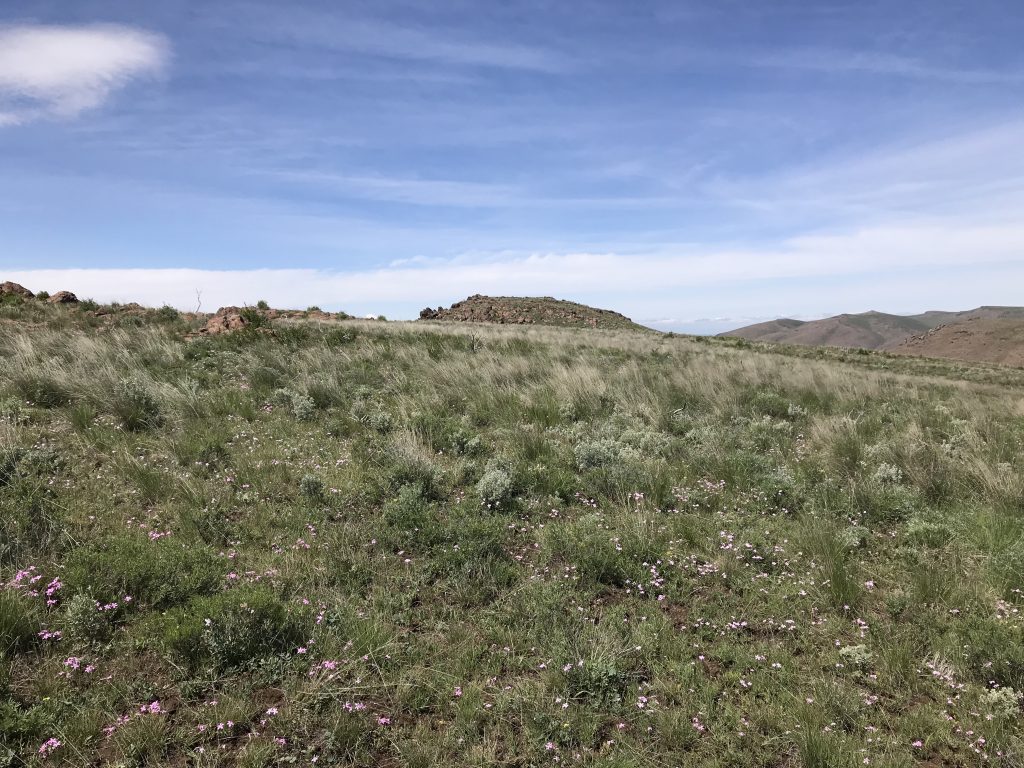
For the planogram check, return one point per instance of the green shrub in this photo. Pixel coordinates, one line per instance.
(167, 314)
(312, 488)
(231, 629)
(495, 488)
(411, 518)
(136, 406)
(303, 407)
(262, 305)
(603, 452)
(161, 573)
(41, 389)
(82, 622)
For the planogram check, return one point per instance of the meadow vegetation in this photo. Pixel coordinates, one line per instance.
(363, 543)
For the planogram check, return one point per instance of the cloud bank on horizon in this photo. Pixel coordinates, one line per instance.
(673, 162)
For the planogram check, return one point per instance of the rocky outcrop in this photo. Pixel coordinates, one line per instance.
(514, 310)
(63, 297)
(225, 320)
(15, 289)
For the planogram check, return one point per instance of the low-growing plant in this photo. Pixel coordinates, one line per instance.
(136, 405)
(231, 629)
(495, 487)
(41, 389)
(312, 488)
(159, 573)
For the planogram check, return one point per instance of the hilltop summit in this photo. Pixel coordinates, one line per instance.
(522, 310)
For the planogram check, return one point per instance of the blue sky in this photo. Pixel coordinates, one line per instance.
(696, 165)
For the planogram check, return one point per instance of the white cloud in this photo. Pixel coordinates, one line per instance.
(926, 265)
(51, 71)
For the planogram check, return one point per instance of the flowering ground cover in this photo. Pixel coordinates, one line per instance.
(405, 544)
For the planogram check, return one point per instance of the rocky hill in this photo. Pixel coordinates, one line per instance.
(516, 310)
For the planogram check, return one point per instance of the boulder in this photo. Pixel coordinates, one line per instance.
(14, 289)
(226, 320)
(63, 297)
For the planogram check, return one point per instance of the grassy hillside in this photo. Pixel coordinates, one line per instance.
(417, 544)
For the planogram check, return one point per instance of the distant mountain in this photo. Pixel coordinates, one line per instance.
(523, 310)
(868, 330)
(985, 334)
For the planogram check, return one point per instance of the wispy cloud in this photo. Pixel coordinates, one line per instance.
(835, 61)
(443, 44)
(977, 169)
(62, 71)
(435, 192)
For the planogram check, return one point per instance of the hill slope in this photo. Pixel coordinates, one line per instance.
(384, 544)
(879, 330)
(523, 310)
(869, 330)
(976, 339)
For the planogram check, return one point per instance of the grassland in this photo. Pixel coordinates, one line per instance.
(412, 544)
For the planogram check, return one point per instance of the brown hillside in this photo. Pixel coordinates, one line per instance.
(867, 330)
(518, 310)
(976, 339)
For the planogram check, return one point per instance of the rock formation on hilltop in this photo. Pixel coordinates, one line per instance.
(15, 289)
(516, 310)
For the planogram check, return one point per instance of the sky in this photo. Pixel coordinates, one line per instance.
(696, 165)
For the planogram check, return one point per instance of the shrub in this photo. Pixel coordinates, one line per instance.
(262, 305)
(42, 390)
(312, 487)
(1002, 702)
(83, 622)
(303, 407)
(231, 629)
(254, 317)
(167, 314)
(495, 487)
(42, 295)
(602, 452)
(90, 305)
(136, 405)
(855, 655)
(887, 474)
(162, 573)
(410, 517)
